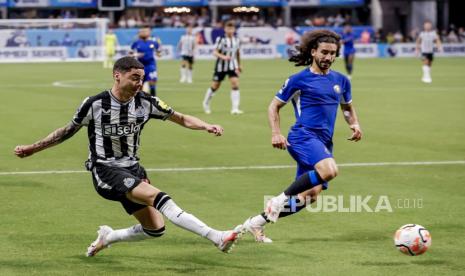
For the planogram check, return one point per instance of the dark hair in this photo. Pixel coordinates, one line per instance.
(310, 40)
(125, 64)
(229, 23)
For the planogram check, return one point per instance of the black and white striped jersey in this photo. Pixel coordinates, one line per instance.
(229, 47)
(187, 45)
(114, 127)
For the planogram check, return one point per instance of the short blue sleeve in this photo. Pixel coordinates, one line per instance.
(346, 96)
(288, 90)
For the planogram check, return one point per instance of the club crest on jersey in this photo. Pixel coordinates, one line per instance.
(129, 182)
(140, 112)
(337, 89)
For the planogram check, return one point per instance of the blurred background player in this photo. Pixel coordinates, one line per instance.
(316, 92)
(228, 63)
(145, 49)
(425, 43)
(111, 42)
(187, 46)
(349, 49)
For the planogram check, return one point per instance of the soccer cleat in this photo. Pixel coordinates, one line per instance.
(257, 231)
(100, 243)
(182, 80)
(230, 238)
(273, 209)
(427, 80)
(189, 80)
(206, 108)
(237, 112)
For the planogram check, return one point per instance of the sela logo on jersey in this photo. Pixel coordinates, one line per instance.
(120, 130)
(337, 89)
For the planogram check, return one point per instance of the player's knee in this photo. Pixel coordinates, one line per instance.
(154, 233)
(328, 173)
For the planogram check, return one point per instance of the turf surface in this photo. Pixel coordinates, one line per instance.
(48, 220)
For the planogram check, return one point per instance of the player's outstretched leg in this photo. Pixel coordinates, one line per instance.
(208, 97)
(147, 194)
(107, 236)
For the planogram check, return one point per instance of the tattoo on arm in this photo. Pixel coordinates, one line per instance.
(57, 136)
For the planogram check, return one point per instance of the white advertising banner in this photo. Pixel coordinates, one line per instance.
(31, 54)
(247, 52)
(450, 50)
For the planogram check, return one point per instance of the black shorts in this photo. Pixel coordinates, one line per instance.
(189, 59)
(219, 76)
(114, 183)
(428, 56)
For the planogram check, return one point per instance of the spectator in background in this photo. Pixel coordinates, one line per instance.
(339, 20)
(365, 37)
(379, 36)
(461, 34)
(398, 37)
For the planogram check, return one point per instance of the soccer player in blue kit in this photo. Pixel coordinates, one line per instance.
(144, 49)
(315, 92)
(349, 49)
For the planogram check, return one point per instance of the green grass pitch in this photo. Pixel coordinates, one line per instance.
(48, 220)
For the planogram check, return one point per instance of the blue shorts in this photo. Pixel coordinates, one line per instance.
(308, 149)
(150, 72)
(349, 52)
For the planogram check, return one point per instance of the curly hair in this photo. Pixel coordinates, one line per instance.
(310, 40)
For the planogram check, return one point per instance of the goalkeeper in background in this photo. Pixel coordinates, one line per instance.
(111, 42)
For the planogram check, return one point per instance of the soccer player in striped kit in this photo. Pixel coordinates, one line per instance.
(425, 43)
(187, 46)
(115, 119)
(228, 63)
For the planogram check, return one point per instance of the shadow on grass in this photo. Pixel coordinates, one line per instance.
(387, 263)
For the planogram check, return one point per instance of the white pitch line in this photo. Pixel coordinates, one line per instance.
(264, 167)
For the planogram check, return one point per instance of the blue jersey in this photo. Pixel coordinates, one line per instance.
(348, 39)
(148, 48)
(316, 99)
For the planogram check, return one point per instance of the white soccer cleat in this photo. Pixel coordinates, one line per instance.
(182, 80)
(101, 242)
(189, 80)
(427, 80)
(237, 112)
(257, 231)
(206, 108)
(230, 238)
(273, 208)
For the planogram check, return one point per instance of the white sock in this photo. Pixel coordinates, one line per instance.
(183, 73)
(282, 198)
(133, 233)
(258, 220)
(208, 96)
(426, 71)
(189, 74)
(189, 222)
(235, 99)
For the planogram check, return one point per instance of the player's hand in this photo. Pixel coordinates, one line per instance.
(215, 129)
(279, 141)
(356, 133)
(227, 58)
(24, 151)
(239, 70)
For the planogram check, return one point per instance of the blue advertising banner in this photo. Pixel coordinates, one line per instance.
(73, 3)
(3, 3)
(185, 3)
(341, 2)
(267, 3)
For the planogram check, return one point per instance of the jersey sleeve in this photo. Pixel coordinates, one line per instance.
(157, 44)
(346, 96)
(84, 113)
(159, 109)
(218, 43)
(287, 91)
(134, 45)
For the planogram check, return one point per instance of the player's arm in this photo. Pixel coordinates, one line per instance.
(277, 139)
(54, 138)
(192, 122)
(418, 43)
(219, 55)
(439, 44)
(239, 61)
(351, 118)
